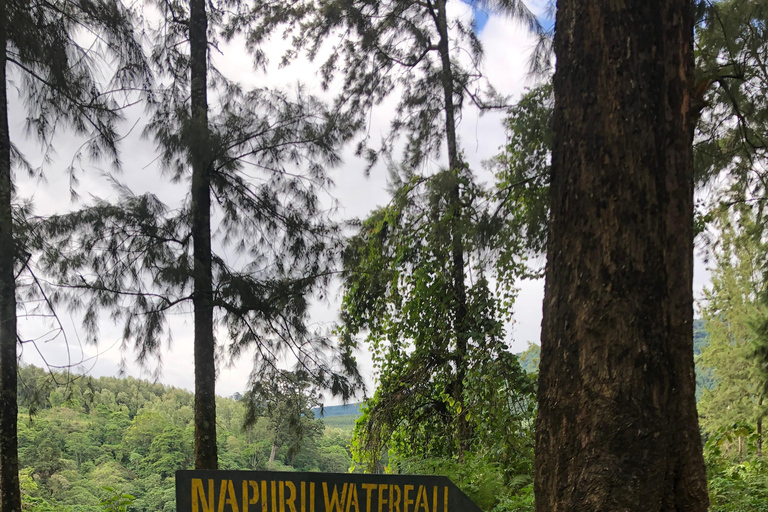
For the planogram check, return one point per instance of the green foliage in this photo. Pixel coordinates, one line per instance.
(501, 400)
(481, 478)
(735, 486)
(436, 368)
(522, 501)
(522, 168)
(733, 408)
(287, 402)
(117, 501)
(732, 312)
(134, 436)
(732, 76)
(529, 360)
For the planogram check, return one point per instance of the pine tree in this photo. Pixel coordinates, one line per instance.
(735, 315)
(256, 163)
(731, 86)
(60, 86)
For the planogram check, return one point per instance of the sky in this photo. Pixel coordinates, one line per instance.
(507, 48)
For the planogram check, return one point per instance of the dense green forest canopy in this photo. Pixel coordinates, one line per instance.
(85, 434)
(81, 436)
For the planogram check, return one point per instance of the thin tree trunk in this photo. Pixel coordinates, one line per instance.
(206, 456)
(617, 426)
(10, 496)
(447, 82)
(272, 453)
(457, 249)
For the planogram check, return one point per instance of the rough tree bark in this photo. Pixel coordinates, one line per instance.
(617, 427)
(10, 497)
(206, 454)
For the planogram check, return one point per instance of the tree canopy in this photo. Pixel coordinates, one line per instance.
(57, 73)
(256, 164)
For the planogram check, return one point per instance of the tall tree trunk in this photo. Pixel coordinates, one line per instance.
(10, 496)
(617, 426)
(457, 249)
(206, 456)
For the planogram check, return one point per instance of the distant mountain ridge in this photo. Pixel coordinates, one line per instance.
(338, 410)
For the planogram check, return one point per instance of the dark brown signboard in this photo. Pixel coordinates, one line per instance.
(269, 491)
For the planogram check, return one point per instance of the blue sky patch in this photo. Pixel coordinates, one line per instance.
(481, 15)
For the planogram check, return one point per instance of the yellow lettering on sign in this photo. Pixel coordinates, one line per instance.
(421, 499)
(227, 496)
(254, 495)
(334, 502)
(198, 494)
(352, 498)
(406, 500)
(312, 496)
(231, 496)
(291, 496)
(299, 496)
(222, 495)
(263, 496)
(382, 501)
(274, 496)
(368, 488)
(394, 490)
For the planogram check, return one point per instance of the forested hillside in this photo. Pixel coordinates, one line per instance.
(85, 434)
(80, 436)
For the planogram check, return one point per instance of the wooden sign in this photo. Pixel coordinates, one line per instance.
(269, 491)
